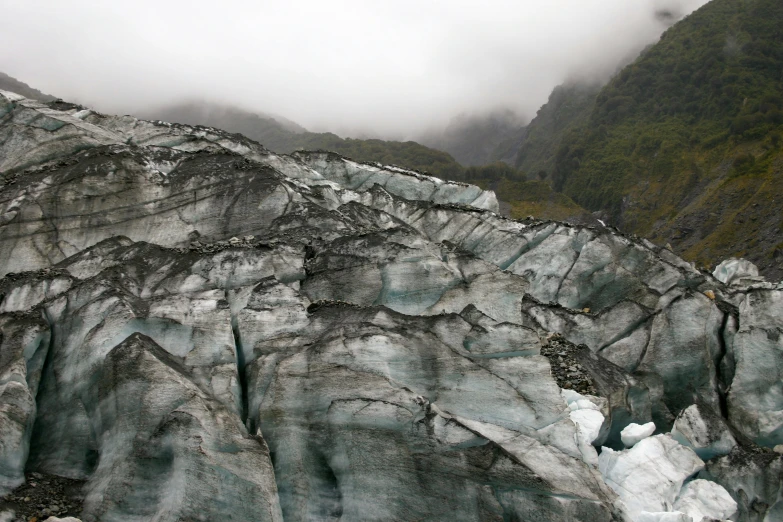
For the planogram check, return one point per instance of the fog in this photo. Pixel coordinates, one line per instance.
(390, 68)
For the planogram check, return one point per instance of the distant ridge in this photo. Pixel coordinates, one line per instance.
(9, 83)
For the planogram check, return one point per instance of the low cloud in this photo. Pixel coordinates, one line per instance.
(385, 68)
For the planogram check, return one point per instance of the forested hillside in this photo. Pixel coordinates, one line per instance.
(684, 145)
(522, 198)
(568, 107)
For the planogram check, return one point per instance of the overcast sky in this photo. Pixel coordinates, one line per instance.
(394, 67)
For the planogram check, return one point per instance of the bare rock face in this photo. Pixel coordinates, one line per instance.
(203, 330)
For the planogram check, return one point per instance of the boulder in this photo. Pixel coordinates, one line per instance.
(754, 479)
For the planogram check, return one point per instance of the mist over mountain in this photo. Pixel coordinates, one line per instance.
(284, 136)
(386, 70)
(222, 117)
(478, 139)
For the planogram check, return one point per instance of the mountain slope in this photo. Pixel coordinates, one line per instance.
(569, 106)
(272, 131)
(284, 136)
(521, 198)
(478, 140)
(8, 83)
(408, 154)
(535, 198)
(684, 145)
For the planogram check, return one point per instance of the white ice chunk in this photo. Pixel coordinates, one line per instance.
(588, 422)
(702, 498)
(577, 401)
(11, 95)
(663, 516)
(583, 404)
(585, 413)
(633, 433)
(82, 114)
(733, 270)
(571, 396)
(649, 476)
(589, 419)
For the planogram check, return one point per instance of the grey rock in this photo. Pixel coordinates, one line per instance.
(151, 161)
(398, 181)
(156, 431)
(629, 399)
(501, 405)
(704, 431)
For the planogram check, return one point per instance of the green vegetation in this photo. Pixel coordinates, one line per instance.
(524, 197)
(568, 107)
(683, 142)
(536, 198)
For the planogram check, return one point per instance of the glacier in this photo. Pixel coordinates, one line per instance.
(202, 329)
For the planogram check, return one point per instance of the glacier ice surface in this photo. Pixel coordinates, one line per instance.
(373, 330)
(649, 476)
(663, 516)
(701, 498)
